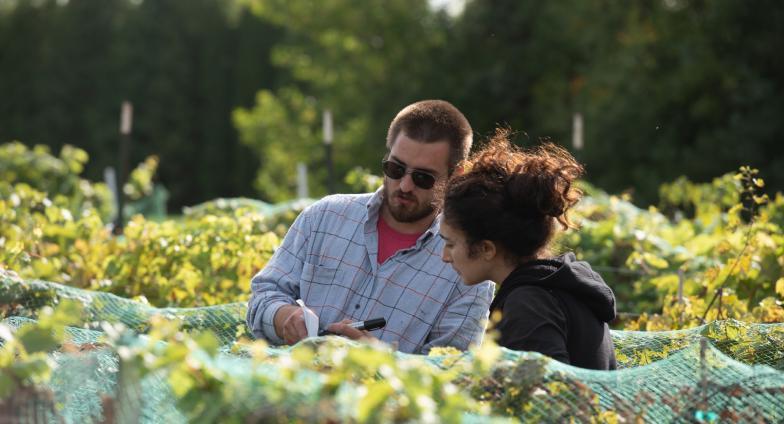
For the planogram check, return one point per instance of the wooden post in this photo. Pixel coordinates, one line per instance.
(302, 180)
(327, 129)
(577, 131)
(126, 122)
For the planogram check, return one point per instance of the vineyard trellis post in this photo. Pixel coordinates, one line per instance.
(126, 118)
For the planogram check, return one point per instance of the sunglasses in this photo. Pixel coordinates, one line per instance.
(396, 171)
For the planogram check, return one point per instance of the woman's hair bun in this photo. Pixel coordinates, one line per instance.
(538, 181)
(513, 196)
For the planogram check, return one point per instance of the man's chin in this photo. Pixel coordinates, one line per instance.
(406, 211)
(409, 215)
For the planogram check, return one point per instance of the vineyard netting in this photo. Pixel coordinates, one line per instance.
(725, 370)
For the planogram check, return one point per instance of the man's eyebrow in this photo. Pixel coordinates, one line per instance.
(397, 159)
(443, 236)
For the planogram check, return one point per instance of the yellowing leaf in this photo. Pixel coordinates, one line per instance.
(655, 261)
(377, 394)
(780, 287)
(744, 264)
(180, 382)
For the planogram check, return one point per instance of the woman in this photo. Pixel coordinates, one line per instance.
(499, 220)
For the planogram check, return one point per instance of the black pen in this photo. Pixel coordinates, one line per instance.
(367, 325)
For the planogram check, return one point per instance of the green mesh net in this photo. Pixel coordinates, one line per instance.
(723, 371)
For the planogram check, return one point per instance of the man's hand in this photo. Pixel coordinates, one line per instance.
(290, 324)
(343, 329)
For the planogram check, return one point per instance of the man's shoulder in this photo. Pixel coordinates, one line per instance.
(353, 203)
(460, 289)
(485, 289)
(338, 208)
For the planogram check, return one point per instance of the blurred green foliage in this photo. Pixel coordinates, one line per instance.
(55, 227)
(203, 261)
(666, 88)
(229, 93)
(363, 61)
(720, 253)
(184, 64)
(282, 129)
(39, 170)
(361, 180)
(24, 355)
(166, 363)
(716, 252)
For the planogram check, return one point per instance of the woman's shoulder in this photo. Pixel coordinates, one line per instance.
(531, 300)
(528, 310)
(524, 291)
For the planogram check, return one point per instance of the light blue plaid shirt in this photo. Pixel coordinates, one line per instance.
(329, 260)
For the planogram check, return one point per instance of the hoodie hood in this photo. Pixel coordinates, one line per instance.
(564, 273)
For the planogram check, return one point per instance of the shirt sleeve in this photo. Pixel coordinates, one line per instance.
(277, 284)
(463, 320)
(533, 320)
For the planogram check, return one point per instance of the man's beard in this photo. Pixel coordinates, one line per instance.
(413, 213)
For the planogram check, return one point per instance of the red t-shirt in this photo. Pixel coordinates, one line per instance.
(390, 241)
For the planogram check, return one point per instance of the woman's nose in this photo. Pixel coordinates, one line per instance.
(445, 256)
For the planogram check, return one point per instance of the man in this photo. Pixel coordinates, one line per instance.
(378, 255)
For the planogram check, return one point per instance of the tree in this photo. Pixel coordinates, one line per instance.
(667, 88)
(686, 90)
(65, 68)
(363, 60)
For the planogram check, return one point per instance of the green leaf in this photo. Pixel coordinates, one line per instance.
(34, 369)
(7, 385)
(377, 393)
(208, 342)
(35, 339)
(180, 382)
(655, 261)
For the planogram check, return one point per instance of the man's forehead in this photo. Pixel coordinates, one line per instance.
(433, 156)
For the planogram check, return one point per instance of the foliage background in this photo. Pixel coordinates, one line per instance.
(229, 93)
(713, 251)
(228, 97)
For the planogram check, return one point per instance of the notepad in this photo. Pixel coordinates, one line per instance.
(311, 319)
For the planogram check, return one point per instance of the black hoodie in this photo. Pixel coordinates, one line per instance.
(558, 307)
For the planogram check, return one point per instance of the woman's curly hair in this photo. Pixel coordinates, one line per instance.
(513, 196)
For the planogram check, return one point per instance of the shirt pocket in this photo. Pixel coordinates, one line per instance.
(319, 274)
(323, 285)
(324, 290)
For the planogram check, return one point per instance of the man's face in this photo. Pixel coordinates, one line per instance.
(406, 201)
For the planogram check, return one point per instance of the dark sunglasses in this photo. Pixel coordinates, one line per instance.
(397, 171)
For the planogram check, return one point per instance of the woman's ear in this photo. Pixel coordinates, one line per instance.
(488, 250)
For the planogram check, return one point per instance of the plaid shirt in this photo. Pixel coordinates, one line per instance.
(329, 260)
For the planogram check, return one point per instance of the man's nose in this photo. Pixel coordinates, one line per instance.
(407, 183)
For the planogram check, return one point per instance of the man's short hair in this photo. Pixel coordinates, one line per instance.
(431, 121)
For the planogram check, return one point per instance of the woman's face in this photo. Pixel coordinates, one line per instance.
(472, 270)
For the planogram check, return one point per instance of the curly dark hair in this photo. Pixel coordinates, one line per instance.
(513, 197)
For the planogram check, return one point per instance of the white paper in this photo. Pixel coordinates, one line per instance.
(311, 319)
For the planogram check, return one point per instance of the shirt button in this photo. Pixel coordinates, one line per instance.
(356, 306)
